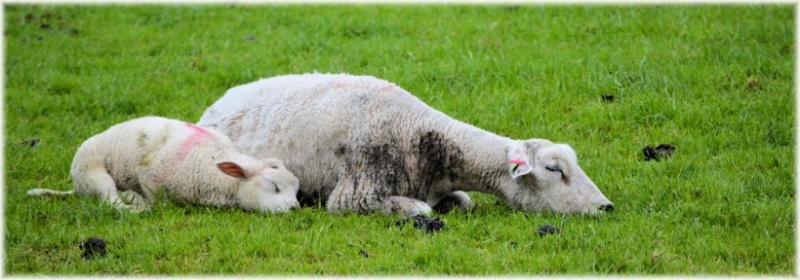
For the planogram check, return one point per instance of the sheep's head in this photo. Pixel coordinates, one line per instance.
(549, 178)
(266, 186)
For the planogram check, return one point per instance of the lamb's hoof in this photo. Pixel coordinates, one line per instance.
(138, 209)
(93, 246)
(133, 209)
(132, 198)
(430, 225)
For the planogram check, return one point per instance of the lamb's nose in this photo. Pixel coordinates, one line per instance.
(607, 207)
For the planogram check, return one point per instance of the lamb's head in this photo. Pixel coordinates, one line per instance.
(549, 178)
(265, 186)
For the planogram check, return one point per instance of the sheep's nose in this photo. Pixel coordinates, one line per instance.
(607, 207)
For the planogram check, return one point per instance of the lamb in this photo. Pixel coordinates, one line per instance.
(365, 145)
(132, 162)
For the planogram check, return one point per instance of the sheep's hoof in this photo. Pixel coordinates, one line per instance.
(446, 205)
(451, 201)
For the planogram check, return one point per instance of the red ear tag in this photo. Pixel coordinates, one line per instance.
(513, 164)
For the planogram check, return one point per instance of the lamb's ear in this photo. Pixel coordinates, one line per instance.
(232, 169)
(518, 162)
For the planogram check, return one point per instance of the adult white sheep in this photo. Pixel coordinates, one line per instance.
(188, 163)
(362, 144)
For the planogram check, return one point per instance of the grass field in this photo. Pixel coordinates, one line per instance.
(714, 81)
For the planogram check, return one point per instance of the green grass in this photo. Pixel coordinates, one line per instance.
(715, 81)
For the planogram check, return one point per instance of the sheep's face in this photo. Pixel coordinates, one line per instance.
(550, 179)
(268, 187)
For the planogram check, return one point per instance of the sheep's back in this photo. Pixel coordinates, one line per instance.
(313, 121)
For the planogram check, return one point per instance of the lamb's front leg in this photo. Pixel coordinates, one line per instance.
(361, 195)
(98, 182)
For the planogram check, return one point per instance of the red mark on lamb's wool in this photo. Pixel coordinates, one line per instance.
(198, 134)
(188, 144)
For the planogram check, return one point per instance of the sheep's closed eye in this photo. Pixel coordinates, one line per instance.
(554, 168)
(274, 167)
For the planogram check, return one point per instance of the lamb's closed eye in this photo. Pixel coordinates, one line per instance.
(270, 186)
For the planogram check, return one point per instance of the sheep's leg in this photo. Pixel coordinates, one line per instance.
(99, 183)
(408, 206)
(342, 198)
(458, 199)
(361, 195)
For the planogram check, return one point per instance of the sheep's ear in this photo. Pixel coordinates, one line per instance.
(519, 169)
(232, 169)
(518, 162)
